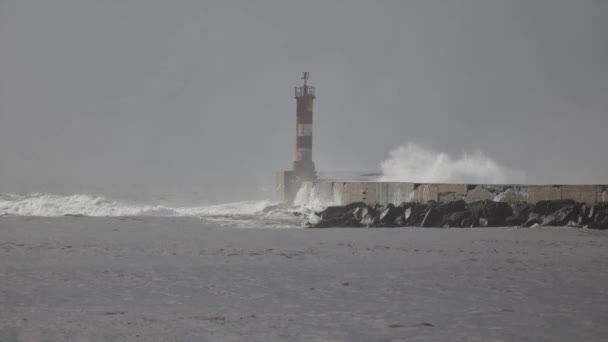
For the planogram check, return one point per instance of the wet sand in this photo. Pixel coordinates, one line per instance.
(180, 279)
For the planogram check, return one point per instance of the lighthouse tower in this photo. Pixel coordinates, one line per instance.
(289, 182)
(303, 166)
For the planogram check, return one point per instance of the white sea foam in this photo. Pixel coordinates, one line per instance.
(242, 214)
(309, 198)
(418, 163)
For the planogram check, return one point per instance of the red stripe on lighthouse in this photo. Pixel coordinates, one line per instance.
(305, 117)
(304, 142)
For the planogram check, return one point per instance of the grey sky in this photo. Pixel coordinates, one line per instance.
(146, 95)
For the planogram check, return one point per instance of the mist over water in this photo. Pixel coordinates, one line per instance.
(416, 162)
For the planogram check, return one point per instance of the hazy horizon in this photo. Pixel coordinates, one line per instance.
(155, 97)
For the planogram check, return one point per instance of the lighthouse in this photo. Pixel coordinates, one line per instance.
(303, 166)
(289, 182)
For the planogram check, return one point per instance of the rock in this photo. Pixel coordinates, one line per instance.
(401, 221)
(562, 216)
(333, 212)
(451, 207)
(438, 213)
(549, 207)
(494, 214)
(601, 220)
(387, 217)
(458, 219)
(520, 211)
(359, 214)
(533, 219)
(350, 219)
(478, 210)
(368, 216)
(351, 206)
(586, 214)
(412, 216)
(460, 214)
(374, 214)
(433, 217)
(336, 216)
(470, 220)
(514, 221)
(497, 213)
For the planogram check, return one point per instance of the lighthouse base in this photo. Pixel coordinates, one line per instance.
(286, 186)
(287, 183)
(305, 170)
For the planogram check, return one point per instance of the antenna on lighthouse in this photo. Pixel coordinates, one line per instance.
(305, 77)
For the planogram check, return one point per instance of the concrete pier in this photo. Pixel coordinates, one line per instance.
(345, 192)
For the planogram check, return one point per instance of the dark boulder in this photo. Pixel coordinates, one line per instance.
(339, 216)
(549, 207)
(387, 217)
(333, 212)
(413, 214)
(368, 216)
(586, 214)
(452, 207)
(478, 209)
(600, 220)
(533, 219)
(460, 214)
(458, 219)
(433, 217)
(498, 213)
(520, 211)
(439, 214)
(562, 216)
(490, 213)
(351, 206)
(470, 220)
(360, 213)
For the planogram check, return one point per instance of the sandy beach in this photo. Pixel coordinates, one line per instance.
(181, 279)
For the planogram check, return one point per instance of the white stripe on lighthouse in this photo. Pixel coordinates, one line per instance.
(304, 154)
(304, 130)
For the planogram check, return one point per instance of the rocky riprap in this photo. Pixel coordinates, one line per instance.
(459, 214)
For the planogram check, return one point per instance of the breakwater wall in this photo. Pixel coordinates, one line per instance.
(383, 193)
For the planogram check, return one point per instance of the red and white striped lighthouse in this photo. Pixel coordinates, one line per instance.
(303, 166)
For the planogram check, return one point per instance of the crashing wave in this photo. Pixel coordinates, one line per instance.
(243, 214)
(421, 164)
(310, 197)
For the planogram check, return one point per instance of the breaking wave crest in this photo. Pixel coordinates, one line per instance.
(245, 214)
(421, 164)
(309, 197)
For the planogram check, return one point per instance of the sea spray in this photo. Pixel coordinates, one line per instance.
(421, 164)
(245, 214)
(311, 197)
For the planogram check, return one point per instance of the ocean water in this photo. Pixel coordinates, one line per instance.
(245, 214)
